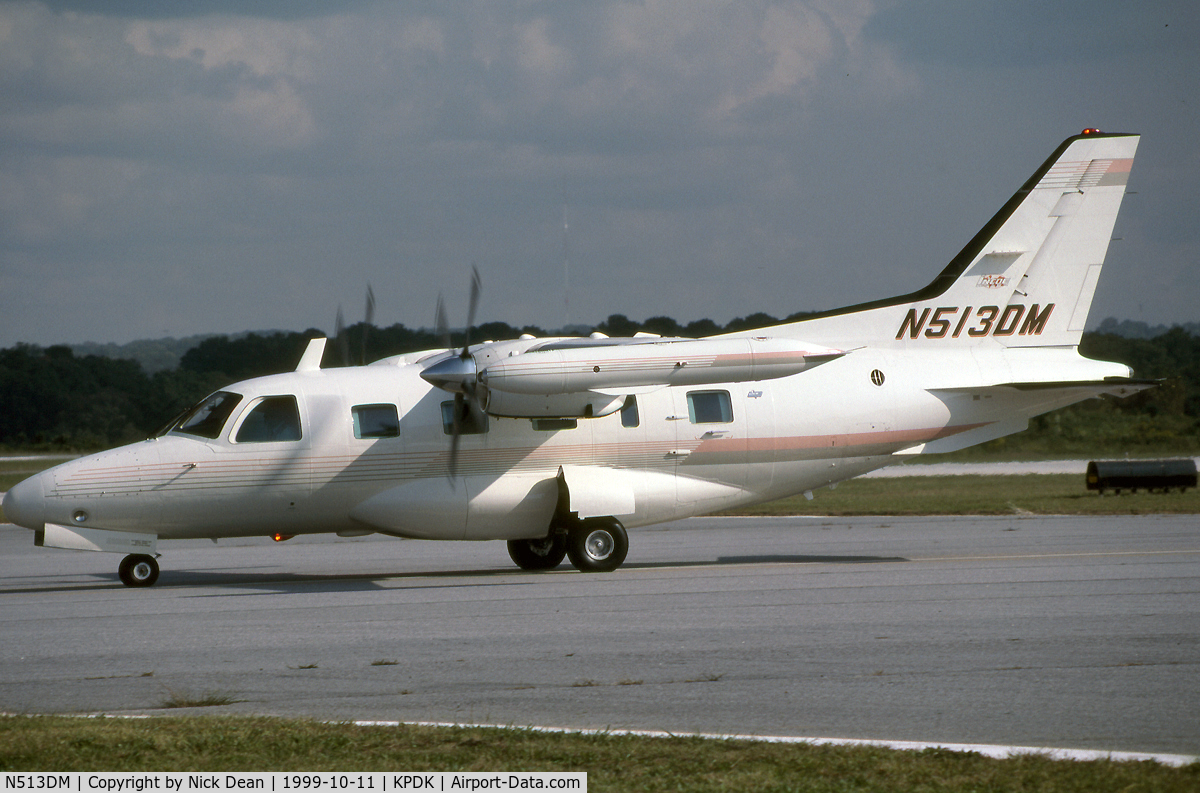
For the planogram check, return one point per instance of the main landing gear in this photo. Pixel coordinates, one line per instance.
(138, 569)
(594, 545)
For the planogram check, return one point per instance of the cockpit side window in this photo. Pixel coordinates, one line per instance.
(206, 419)
(275, 418)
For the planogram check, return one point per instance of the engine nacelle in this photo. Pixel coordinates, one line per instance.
(568, 369)
(578, 405)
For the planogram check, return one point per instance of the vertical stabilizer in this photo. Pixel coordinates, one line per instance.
(1027, 278)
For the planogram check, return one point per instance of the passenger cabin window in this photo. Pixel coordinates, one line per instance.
(275, 418)
(469, 422)
(629, 413)
(709, 407)
(376, 421)
(206, 419)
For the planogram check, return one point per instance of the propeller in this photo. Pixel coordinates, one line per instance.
(458, 374)
(343, 338)
(443, 326)
(476, 288)
(368, 319)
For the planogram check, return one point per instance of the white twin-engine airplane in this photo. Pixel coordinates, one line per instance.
(558, 445)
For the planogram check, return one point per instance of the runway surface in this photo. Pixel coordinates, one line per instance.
(1058, 632)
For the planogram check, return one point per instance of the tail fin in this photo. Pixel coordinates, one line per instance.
(1027, 278)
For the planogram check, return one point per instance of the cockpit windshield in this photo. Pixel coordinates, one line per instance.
(207, 418)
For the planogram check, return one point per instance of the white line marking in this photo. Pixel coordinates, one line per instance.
(1081, 555)
(999, 752)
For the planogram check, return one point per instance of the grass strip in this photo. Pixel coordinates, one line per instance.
(15, 469)
(613, 762)
(1034, 494)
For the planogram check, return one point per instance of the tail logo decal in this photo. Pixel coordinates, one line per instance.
(1081, 174)
(976, 322)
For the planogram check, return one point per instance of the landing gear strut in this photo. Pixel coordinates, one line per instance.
(138, 570)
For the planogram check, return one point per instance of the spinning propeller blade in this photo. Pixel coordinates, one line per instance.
(343, 340)
(452, 465)
(343, 337)
(442, 325)
(476, 288)
(458, 374)
(368, 319)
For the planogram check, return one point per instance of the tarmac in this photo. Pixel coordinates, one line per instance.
(1073, 634)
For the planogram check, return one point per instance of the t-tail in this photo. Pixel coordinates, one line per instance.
(1026, 279)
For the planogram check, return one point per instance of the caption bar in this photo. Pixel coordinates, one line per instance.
(130, 782)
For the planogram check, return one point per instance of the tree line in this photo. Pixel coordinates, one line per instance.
(54, 399)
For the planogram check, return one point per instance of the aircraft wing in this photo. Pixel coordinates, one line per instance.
(589, 378)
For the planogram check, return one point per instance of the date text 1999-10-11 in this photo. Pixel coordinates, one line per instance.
(976, 322)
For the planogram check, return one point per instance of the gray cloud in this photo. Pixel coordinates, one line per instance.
(267, 9)
(1028, 33)
(252, 166)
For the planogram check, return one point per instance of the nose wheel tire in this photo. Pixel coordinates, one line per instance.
(544, 553)
(138, 570)
(597, 545)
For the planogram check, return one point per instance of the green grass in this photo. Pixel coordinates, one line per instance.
(612, 762)
(1038, 494)
(211, 699)
(13, 471)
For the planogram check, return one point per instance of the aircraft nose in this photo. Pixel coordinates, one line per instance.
(25, 504)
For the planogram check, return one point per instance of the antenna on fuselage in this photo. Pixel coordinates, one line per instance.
(310, 361)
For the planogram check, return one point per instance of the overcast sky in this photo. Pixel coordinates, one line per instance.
(227, 165)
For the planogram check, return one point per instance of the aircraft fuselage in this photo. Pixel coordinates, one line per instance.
(758, 441)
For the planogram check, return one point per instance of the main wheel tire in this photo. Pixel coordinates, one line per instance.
(545, 553)
(138, 570)
(597, 545)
